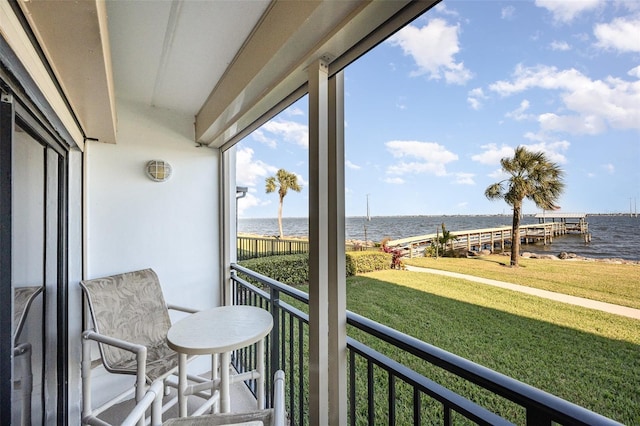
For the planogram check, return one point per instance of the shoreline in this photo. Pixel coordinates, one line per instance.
(568, 256)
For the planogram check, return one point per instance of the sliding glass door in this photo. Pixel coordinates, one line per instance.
(33, 282)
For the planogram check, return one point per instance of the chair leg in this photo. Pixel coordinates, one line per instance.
(27, 389)
(23, 353)
(86, 378)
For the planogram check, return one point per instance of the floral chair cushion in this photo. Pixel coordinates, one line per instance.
(131, 307)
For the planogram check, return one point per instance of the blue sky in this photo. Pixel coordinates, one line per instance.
(430, 112)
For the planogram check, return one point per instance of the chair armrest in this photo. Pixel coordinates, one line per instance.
(182, 309)
(113, 341)
(139, 350)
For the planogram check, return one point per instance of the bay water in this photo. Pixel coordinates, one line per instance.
(612, 236)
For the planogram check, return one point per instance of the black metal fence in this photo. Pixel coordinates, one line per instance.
(253, 247)
(381, 390)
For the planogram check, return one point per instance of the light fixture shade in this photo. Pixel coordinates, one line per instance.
(158, 170)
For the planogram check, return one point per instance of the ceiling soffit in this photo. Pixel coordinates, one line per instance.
(74, 39)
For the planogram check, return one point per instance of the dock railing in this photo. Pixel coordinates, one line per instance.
(479, 239)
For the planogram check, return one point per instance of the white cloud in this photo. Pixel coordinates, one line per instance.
(498, 175)
(433, 48)
(294, 111)
(249, 201)
(475, 97)
(609, 168)
(433, 157)
(394, 180)
(289, 131)
(621, 34)
(492, 154)
(352, 166)
(635, 72)
(259, 136)
(250, 172)
(553, 150)
(508, 12)
(566, 10)
(518, 114)
(589, 105)
(560, 45)
(590, 124)
(464, 179)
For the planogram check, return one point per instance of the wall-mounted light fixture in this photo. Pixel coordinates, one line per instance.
(158, 170)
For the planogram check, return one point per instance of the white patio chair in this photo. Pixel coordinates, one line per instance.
(130, 324)
(22, 299)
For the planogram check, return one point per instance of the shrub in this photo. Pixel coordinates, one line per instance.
(290, 269)
(367, 261)
(293, 269)
(396, 255)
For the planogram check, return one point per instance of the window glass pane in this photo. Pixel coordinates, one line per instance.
(28, 257)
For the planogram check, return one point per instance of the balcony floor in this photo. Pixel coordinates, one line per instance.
(242, 400)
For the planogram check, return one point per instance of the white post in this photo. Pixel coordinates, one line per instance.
(337, 269)
(318, 244)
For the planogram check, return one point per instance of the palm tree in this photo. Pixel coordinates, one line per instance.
(283, 181)
(533, 177)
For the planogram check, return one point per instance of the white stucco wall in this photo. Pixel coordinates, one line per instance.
(133, 222)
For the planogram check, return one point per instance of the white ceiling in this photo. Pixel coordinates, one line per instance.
(224, 62)
(172, 54)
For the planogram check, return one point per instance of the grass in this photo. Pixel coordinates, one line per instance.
(587, 357)
(584, 356)
(612, 283)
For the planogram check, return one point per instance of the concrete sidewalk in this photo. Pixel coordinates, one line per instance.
(565, 298)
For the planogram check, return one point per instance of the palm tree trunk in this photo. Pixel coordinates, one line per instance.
(515, 235)
(280, 217)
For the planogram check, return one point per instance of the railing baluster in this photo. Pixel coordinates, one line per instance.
(537, 418)
(275, 331)
(447, 421)
(392, 399)
(352, 385)
(300, 378)
(370, 393)
(417, 407)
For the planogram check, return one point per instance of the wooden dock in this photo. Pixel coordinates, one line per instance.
(488, 238)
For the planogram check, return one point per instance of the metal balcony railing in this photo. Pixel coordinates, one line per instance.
(380, 389)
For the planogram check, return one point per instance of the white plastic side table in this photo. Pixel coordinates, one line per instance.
(220, 331)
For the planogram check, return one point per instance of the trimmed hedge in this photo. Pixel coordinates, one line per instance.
(360, 262)
(293, 269)
(290, 269)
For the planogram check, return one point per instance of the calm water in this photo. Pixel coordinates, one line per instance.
(612, 236)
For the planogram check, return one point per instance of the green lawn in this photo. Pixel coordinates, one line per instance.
(587, 357)
(612, 283)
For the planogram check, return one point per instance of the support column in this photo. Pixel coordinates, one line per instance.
(228, 231)
(337, 269)
(319, 172)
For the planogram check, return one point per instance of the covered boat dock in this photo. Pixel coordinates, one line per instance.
(571, 221)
